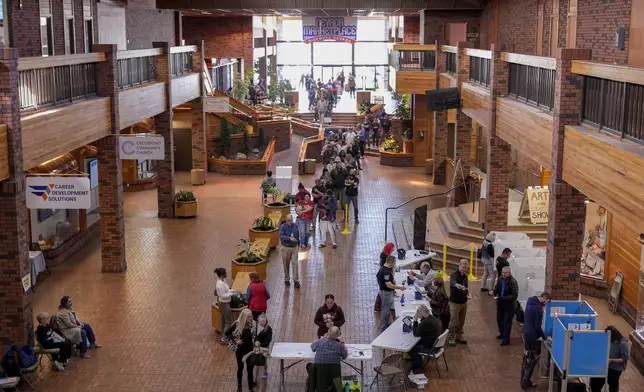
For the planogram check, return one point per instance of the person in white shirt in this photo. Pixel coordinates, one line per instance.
(224, 294)
(350, 137)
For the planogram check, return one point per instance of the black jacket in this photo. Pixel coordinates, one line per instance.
(511, 294)
(44, 336)
(428, 330)
(500, 263)
(246, 337)
(265, 336)
(337, 314)
(458, 296)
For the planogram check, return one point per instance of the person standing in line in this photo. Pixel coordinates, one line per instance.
(318, 191)
(387, 286)
(385, 123)
(304, 211)
(326, 209)
(338, 176)
(352, 86)
(458, 295)
(440, 303)
(224, 294)
(487, 258)
(351, 183)
(617, 362)
(362, 140)
(257, 295)
(264, 334)
(328, 315)
(288, 251)
(501, 262)
(242, 333)
(506, 292)
(532, 336)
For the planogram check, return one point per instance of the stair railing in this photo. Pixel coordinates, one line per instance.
(414, 199)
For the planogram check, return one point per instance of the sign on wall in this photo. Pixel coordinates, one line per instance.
(142, 147)
(58, 192)
(216, 104)
(538, 204)
(329, 28)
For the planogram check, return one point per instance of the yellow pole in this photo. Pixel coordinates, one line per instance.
(471, 276)
(445, 276)
(346, 221)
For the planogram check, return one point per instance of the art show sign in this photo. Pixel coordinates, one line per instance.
(538, 204)
(142, 147)
(58, 193)
(216, 104)
(329, 28)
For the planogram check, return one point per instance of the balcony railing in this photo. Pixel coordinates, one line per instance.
(137, 67)
(56, 80)
(450, 59)
(407, 58)
(532, 79)
(480, 66)
(182, 60)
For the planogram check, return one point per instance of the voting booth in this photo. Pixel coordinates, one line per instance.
(510, 236)
(529, 252)
(513, 244)
(578, 313)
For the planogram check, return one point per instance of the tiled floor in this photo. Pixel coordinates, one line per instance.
(154, 320)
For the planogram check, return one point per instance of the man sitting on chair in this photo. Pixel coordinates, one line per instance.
(49, 339)
(329, 351)
(428, 329)
(267, 184)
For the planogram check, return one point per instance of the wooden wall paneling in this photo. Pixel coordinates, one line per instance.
(415, 82)
(623, 255)
(476, 103)
(49, 134)
(4, 154)
(422, 122)
(512, 119)
(636, 34)
(185, 88)
(554, 27)
(606, 170)
(137, 104)
(451, 116)
(540, 12)
(571, 35)
(446, 80)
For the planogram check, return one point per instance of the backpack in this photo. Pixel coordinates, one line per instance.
(27, 357)
(519, 313)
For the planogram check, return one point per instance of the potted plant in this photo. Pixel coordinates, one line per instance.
(279, 205)
(263, 227)
(247, 260)
(185, 204)
(390, 145)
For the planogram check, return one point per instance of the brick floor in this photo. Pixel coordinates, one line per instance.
(154, 320)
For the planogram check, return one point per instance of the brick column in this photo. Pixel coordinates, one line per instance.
(16, 323)
(199, 150)
(566, 209)
(463, 149)
(163, 123)
(499, 159)
(440, 147)
(110, 170)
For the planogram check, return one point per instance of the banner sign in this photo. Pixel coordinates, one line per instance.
(329, 28)
(216, 104)
(26, 282)
(142, 147)
(58, 192)
(538, 204)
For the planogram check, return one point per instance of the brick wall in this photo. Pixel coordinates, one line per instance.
(79, 26)
(280, 130)
(518, 25)
(411, 29)
(547, 26)
(563, 23)
(597, 21)
(440, 147)
(144, 26)
(434, 23)
(58, 26)
(487, 26)
(223, 37)
(26, 34)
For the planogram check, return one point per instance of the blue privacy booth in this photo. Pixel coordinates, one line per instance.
(569, 312)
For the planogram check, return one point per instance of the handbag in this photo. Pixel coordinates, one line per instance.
(232, 343)
(257, 359)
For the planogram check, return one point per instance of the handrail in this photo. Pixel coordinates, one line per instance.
(26, 63)
(414, 47)
(484, 54)
(130, 54)
(618, 73)
(183, 49)
(532, 61)
(449, 49)
(414, 199)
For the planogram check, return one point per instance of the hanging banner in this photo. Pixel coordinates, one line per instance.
(216, 104)
(142, 147)
(58, 192)
(329, 28)
(538, 204)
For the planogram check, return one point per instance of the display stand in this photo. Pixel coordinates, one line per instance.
(577, 353)
(284, 179)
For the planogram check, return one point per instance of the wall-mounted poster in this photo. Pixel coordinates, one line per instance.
(593, 250)
(329, 28)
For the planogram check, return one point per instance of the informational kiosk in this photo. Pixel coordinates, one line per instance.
(284, 179)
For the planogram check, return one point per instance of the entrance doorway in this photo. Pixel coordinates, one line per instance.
(182, 149)
(326, 72)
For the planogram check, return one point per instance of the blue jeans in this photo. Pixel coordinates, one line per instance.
(304, 225)
(87, 333)
(387, 300)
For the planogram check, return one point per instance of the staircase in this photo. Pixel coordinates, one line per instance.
(344, 120)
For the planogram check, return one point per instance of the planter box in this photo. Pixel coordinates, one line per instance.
(185, 209)
(260, 268)
(284, 210)
(272, 236)
(216, 316)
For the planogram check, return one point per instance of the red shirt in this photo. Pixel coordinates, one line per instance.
(299, 196)
(307, 214)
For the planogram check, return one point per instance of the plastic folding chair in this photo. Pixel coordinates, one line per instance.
(437, 351)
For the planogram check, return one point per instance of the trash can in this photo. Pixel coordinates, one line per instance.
(309, 166)
(429, 166)
(197, 176)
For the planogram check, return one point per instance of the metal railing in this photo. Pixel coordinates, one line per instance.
(450, 59)
(480, 70)
(532, 85)
(414, 199)
(181, 63)
(614, 106)
(416, 60)
(56, 85)
(136, 71)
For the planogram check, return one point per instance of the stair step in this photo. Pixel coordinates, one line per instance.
(464, 225)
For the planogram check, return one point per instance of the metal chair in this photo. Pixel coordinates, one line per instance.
(43, 352)
(28, 374)
(615, 290)
(390, 368)
(437, 351)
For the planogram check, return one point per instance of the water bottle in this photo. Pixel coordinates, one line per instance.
(402, 300)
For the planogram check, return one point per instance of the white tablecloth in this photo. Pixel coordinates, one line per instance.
(37, 264)
(412, 257)
(288, 350)
(394, 339)
(411, 303)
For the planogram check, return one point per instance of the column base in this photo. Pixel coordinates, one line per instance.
(637, 351)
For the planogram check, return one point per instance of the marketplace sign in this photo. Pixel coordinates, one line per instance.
(58, 193)
(142, 148)
(329, 28)
(538, 204)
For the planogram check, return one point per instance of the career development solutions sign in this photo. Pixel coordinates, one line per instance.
(58, 193)
(142, 147)
(329, 28)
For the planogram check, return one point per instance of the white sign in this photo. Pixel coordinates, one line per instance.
(58, 192)
(142, 147)
(26, 282)
(557, 310)
(216, 104)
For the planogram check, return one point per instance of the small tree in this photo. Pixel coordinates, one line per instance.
(240, 87)
(403, 105)
(246, 143)
(225, 137)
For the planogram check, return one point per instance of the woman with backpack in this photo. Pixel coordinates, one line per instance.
(241, 337)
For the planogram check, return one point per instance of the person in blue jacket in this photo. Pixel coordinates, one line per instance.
(532, 332)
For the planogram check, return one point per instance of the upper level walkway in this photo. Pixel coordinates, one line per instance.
(154, 320)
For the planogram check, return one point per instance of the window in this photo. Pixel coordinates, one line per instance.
(371, 53)
(372, 30)
(289, 30)
(70, 42)
(89, 36)
(327, 53)
(294, 53)
(46, 36)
